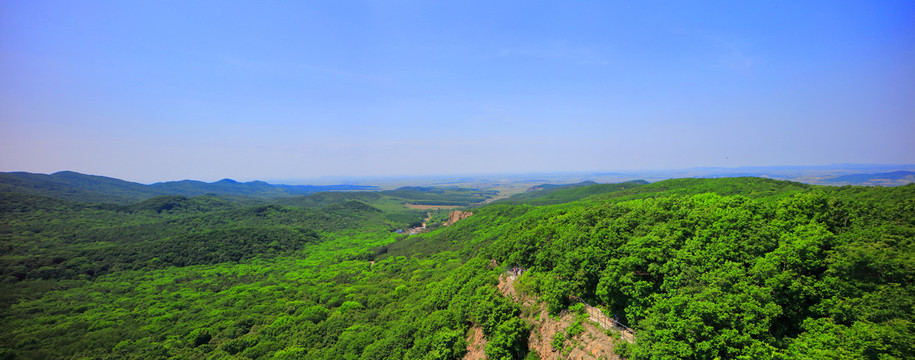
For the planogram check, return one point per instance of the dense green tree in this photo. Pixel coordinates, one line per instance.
(701, 268)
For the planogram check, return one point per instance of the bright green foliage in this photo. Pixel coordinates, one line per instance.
(509, 340)
(702, 268)
(622, 348)
(709, 276)
(574, 330)
(558, 340)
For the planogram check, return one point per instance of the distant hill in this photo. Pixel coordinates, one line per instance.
(73, 186)
(431, 196)
(440, 195)
(896, 178)
(560, 186)
(68, 185)
(754, 187)
(258, 189)
(548, 194)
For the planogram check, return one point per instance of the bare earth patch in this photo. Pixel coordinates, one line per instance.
(592, 343)
(476, 344)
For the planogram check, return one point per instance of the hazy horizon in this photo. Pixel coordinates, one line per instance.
(784, 172)
(207, 90)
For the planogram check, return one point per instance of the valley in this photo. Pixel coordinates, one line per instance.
(457, 180)
(698, 268)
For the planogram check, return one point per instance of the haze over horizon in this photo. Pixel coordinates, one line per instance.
(208, 90)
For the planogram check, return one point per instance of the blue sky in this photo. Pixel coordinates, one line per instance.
(167, 90)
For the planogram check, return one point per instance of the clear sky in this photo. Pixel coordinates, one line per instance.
(166, 90)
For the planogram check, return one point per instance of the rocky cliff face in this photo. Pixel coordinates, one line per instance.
(456, 216)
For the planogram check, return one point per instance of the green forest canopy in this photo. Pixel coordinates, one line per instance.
(702, 268)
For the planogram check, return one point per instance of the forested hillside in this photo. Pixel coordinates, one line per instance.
(69, 185)
(548, 194)
(700, 268)
(393, 199)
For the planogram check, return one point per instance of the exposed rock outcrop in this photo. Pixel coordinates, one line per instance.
(476, 344)
(592, 344)
(457, 215)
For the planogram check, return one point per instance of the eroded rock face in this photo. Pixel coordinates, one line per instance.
(592, 344)
(457, 215)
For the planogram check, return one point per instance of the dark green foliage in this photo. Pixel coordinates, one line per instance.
(199, 337)
(322, 199)
(440, 196)
(446, 196)
(68, 185)
(56, 239)
(196, 277)
(15, 204)
(352, 206)
(548, 187)
(212, 247)
(181, 204)
(408, 219)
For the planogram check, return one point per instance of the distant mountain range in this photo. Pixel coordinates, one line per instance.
(69, 185)
(73, 186)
